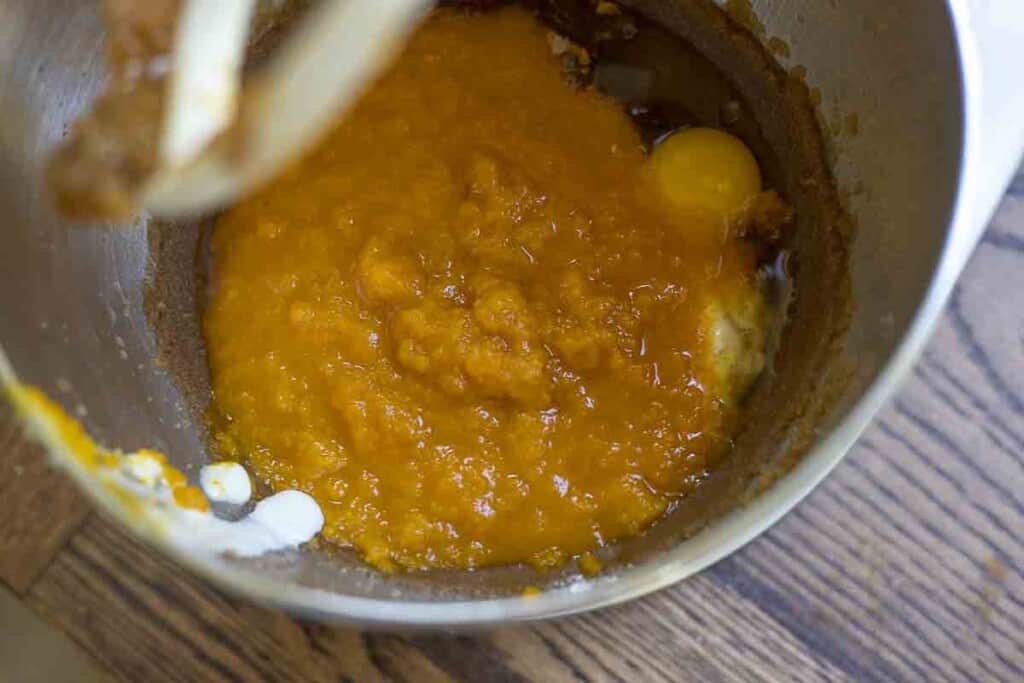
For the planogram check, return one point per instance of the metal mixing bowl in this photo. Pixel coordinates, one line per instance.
(941, 127)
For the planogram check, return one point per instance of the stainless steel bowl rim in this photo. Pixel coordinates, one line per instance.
(971, 210)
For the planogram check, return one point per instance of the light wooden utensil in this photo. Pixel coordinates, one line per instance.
(221, 138)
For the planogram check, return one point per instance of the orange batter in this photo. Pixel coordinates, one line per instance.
(477, 323)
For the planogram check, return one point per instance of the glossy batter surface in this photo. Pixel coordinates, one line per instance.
(473, 324)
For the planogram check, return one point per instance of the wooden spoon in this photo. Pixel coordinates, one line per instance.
(221, 138)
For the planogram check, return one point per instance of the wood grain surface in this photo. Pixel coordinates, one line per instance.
(906, 564)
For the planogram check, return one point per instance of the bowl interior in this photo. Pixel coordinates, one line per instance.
(83, 316)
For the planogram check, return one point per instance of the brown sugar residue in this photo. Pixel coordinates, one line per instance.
(575, 59)
(778, 47)
(742, 12)
(851, 125)
(765, 218)
(608, 9)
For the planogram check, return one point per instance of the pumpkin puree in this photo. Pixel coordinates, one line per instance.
(474, 323)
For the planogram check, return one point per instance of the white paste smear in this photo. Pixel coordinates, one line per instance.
(226, 482)
(284, 520)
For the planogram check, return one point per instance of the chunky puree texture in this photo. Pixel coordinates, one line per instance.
(475, 323)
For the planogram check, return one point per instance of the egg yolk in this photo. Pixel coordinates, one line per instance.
(706, 169)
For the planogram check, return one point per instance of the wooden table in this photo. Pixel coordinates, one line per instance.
(906, 564)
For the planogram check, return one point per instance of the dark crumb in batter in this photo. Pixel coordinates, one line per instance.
(765, 220)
